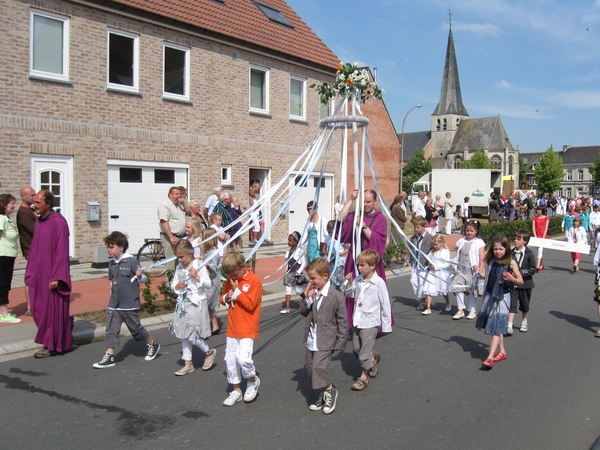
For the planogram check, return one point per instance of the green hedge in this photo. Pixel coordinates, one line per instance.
(509, 229)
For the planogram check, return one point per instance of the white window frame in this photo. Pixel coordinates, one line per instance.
(303, 113)
(569, 175)
(568, 192)
(64, 76)
(186, 75)
(136, 61)
(580, 175)
(226, 180)
(266, 71)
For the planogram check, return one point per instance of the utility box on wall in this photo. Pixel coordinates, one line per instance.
(93, 211)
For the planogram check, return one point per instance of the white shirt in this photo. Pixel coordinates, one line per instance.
(419, 207)
(595, 218)
(372, 303)
(211, 202)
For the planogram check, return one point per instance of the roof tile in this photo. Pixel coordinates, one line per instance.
(243, 20)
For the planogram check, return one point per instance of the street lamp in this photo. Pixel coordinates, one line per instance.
(402, 144)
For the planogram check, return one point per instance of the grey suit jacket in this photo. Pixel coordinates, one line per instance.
(331, 320)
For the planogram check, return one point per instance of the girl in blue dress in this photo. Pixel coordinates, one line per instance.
(502, 273)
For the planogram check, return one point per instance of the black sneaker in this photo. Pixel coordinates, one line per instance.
(318, 405)
(107, 361)
(152, 351)
(330, 396)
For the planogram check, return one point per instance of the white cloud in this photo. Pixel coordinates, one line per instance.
(578, 99)
(481, 29)
(503, 84)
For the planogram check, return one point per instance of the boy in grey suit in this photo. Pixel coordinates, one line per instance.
(326, 331)
(422, 242)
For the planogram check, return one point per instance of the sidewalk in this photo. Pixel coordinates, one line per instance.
(90, 292)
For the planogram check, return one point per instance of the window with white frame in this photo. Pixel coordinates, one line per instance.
(568, 192)
(456, 163)
(326, 109)
(49, 46)
(569, 176)
(580, 175)
(259, 89)
(176, 71)
(123, 61)
(297, 98)
(226, 175)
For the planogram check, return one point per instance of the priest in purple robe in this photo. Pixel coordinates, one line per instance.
(49, 279)
(373, 236)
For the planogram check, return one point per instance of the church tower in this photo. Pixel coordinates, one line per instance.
(450, 110)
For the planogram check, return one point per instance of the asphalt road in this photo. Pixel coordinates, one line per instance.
(430, 393)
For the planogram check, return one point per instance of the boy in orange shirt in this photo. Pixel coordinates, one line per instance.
(243, 294)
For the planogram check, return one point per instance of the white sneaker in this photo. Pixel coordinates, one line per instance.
(448, 308)
(235, 396)
(421, 306)
(523, 328)
(251, 390)
(472, 315)
(285, 311)
(458, 315)
(509, 330)
(426, 312)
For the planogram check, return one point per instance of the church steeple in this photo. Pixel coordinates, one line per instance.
(450, 96)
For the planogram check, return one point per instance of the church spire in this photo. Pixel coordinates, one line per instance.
(450, 96)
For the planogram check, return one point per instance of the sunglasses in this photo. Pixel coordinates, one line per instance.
(473, 221)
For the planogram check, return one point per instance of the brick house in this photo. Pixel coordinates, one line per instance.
(577, 179)
(113, 102)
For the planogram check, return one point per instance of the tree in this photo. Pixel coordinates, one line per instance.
(549, 172)
(479, 160)
(595, 170)
(522, 169)
(415, 168)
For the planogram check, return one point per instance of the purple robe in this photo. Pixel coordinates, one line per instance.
(378, 224)
(49, 261)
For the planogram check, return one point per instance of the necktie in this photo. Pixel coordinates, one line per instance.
(519, 256)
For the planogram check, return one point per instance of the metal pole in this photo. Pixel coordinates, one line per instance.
(402, 145)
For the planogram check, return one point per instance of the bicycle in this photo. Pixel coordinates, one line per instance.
(151, 252)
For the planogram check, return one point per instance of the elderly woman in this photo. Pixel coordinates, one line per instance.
(8, 254)
(195, 212)
(399, 216)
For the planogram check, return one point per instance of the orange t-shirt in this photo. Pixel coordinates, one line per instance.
(243, 319)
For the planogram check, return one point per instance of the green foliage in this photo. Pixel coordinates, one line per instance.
(169, 297)
(595, 170)
(510, 228)
(149, 298)
(415, 168)
(395, 254)
(522, 169)
(479, 160)
(549, 172)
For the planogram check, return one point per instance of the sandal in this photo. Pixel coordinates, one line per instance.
(360, 384)
(488, 363)
(208, 365)
(375, 369)
(499, 357)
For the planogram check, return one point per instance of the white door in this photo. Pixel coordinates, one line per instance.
(263, 176)
(55, 173)
(297, 208)
(135, 189)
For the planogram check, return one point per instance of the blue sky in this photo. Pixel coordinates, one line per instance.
(535, 63)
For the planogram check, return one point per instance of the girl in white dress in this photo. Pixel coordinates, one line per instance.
(437, 279)
(191, 323)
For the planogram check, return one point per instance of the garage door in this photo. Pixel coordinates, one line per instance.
(297, 209)
(134, 192)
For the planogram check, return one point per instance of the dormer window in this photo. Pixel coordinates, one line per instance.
(274, 15)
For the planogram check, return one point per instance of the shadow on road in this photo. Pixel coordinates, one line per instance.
(477, 349)
(582, 322)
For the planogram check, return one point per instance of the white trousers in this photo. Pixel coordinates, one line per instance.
(238, 359)
(448, 226)
(460, 301)
(186, 347)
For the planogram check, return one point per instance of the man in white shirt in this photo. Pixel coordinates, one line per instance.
(419, 205)
(212, 201)
(171, 223)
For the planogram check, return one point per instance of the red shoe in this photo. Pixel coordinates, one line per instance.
(499, 357)
(488, 363)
